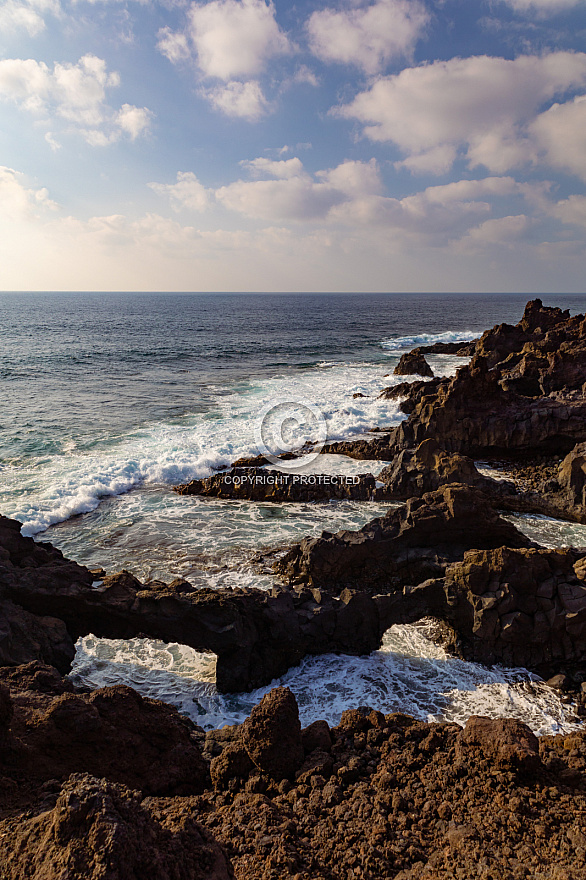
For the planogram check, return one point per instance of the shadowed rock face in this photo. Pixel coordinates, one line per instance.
(111, 732)
(416, 471)
(523, 390)
(97, 830)
(405, 546)
(519, 607)
(413, 364)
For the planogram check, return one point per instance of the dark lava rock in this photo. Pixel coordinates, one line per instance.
(97, 830)
(112, 732)
(416, 471)
(317, 736)
(6, 711)
(405, 546)
(413, 364)
(272, 734)
(26, 637)
(232, 764)
(506, 742)
(524, 607)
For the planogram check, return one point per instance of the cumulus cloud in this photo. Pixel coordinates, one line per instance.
(571, 210)
(239, 99)
(235, 38)
(27, 15)
(75, 93)
(19, 201)
(479, 107)
(188, 192)
(367, 36)
(560, 134)
(232, 41)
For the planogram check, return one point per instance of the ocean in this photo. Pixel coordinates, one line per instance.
(108, 400)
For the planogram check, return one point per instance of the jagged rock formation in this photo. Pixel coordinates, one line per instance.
(416, 471)
(257, 484)
(413, 364)
(92, 829)
(523, 390)
(405, 545)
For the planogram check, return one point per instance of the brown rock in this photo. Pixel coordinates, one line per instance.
(316, 736)
(413, 364)
(98, 830)
(232, 763)
(272, 734)
(505, 742)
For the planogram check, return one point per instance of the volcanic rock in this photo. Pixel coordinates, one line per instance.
(425, 469)
(405, 546)
(413, 364)
(519, 607)
(272, 734)
(257, 484)
(112, 732)
(505, 742)
(98, 830)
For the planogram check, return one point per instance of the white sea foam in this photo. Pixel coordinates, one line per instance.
(54, 488)
(406, 343)
(549, 532)
(409, 674)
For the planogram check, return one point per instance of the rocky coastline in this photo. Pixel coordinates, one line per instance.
(108, 784)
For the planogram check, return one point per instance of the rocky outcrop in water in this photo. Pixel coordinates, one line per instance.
(413, 364)
(405, 546)
(523, 607)
(416, 471)
(522, 391)
(258, 484)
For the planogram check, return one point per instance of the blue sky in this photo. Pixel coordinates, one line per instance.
(245, 145)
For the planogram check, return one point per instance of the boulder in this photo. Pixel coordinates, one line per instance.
(111, 732)
(98, 830)
(504, 742)
(413, 364)
(272, 734)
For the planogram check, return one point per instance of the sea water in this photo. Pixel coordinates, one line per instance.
(108, 400)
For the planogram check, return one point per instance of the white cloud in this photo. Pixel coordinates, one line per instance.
(26, 15)
(501, 231)
(133, 120)
(368, 36)
(188, 192)
(18, 201)
(75, 93)
(244, 100)
(173, 45)
(543, 7)
(560, 134)
(480, 106)
(234, 39)
(283, 169)
(571, 210)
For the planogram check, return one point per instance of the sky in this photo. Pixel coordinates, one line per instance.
(339, 145)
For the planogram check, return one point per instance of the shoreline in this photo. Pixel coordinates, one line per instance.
(376, 796)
